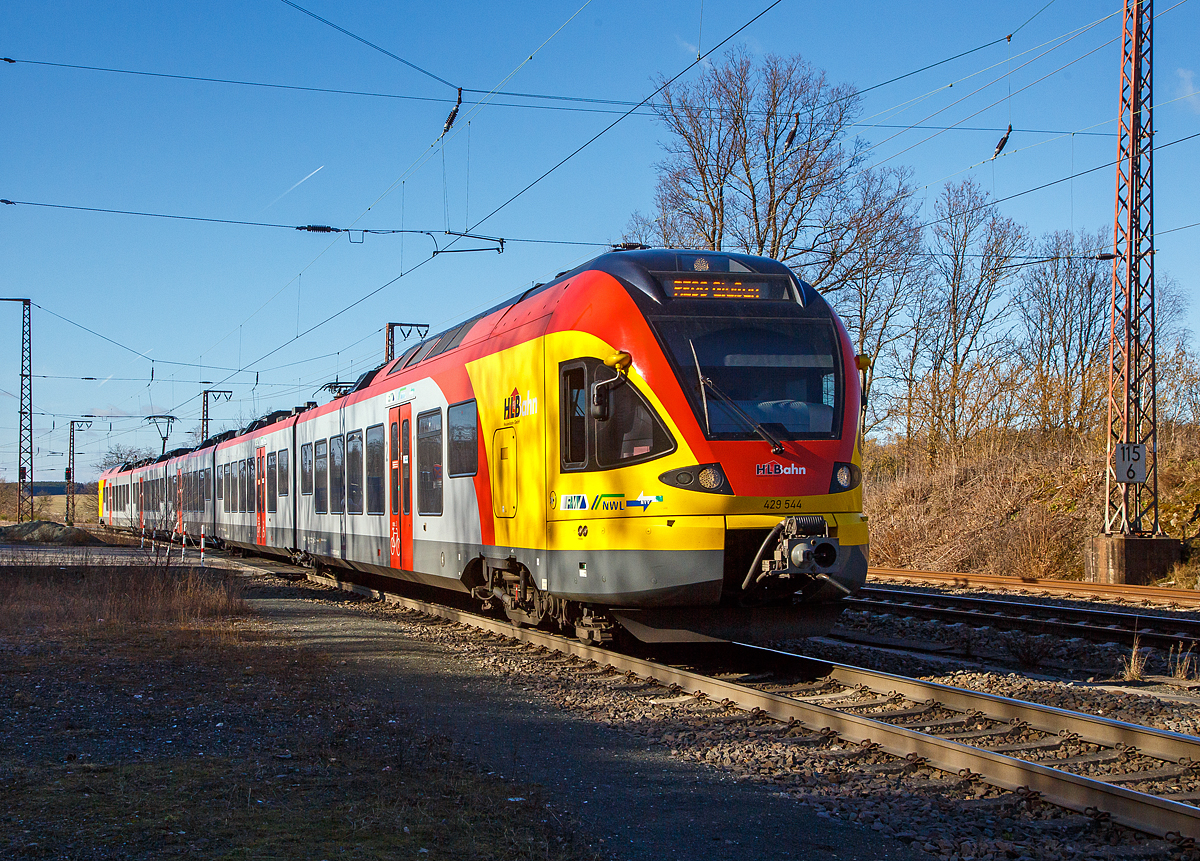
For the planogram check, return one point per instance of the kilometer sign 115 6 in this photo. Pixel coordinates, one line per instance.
(1130, 465)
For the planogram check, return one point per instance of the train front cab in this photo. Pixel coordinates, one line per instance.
(701, 449)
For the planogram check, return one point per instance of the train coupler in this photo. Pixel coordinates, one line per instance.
(797, 551)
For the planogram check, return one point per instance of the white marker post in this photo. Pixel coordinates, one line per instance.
(201, 545)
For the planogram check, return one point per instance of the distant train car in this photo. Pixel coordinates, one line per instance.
(660, 441)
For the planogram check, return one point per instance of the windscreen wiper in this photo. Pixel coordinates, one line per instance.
(703, 393)
(705, 382)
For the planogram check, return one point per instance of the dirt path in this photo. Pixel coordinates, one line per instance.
(639, 801)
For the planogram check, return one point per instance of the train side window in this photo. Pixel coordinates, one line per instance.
(220, 484)
(306, 469)
(239, 484)
(463, 425)
(253, 489)
(321, 492)
(395, 455)
(406, 468)
(574, 417)
(429, 462)
(272, 483)
(284, 479)
(375, 470)
(354, 472)
(337, 474)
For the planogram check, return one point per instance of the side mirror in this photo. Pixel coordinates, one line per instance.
(599, 408)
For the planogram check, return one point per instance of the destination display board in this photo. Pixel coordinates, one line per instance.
(735, 287)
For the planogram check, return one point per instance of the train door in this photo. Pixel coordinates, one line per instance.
(504, 472)
(400, 508)
(179, 502)
(260, 493)
(140, 503)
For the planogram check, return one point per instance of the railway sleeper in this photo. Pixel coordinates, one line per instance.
(1100, 756)
(949, 723)
(992, 732)
(1053, 742)
(915, 711)
(1167, 773)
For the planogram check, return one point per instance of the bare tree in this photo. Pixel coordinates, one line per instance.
(118, 455)
(885, 274)
(1178, 366)
(1063, 307)
(760, 160)
(966, 383)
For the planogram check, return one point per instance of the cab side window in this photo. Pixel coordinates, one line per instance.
(632, 433)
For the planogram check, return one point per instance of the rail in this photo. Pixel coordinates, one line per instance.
(1093, 623)
(1076, 588)
(1154, 814)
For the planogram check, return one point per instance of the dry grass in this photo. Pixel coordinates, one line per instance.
(1133, 667)
(174, 727)
(84, 597)
(1181, 663)
(1023, 505)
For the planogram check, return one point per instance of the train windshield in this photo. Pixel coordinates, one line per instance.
(743, 376)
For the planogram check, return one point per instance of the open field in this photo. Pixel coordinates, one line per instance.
(148, 715)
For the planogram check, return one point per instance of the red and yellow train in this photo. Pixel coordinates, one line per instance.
(661, 441)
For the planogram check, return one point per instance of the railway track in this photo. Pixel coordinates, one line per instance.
(1057, 588)
(1099, 624)
(1140, 777)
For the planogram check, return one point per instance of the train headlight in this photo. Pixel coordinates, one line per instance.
(703, 477)
(710, 479)
(846, 476)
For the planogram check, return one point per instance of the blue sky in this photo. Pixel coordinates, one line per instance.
(204, 300)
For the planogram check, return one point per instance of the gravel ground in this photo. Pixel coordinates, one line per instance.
(1070, 674)
(930, 811)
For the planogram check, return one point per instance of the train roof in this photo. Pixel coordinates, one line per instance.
(635, 268)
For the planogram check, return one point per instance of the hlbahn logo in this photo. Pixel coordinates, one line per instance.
(779, 469)
(515, 406)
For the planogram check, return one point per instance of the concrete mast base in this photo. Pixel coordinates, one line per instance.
(1129, 559)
